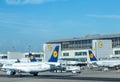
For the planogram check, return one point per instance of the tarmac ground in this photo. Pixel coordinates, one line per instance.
(84, 76)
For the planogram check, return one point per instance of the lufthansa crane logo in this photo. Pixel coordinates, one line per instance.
(91, 55)
(50, 47)
(31, 57)
(55, 54)
(100, 44)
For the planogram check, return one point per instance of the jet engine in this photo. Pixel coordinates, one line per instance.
(10, 72)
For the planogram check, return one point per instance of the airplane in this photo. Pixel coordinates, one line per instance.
(53, 59)
(102, 63)
(32, 67)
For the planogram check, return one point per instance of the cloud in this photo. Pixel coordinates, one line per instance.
(16, 2)
(104, 16)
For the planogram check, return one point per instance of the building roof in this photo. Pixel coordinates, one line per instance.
(87, 37)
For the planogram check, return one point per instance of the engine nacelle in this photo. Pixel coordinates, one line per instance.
(10, 72)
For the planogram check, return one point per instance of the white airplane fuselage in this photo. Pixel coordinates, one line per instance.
(102, 63)
(32, 67)
(108, 63)
(27, 67)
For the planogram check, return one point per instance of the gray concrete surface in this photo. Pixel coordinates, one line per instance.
(85, 76)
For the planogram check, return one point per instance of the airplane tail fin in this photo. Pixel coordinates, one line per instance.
(92, 56)
(91, 60)
(55, 54)
(32, 57)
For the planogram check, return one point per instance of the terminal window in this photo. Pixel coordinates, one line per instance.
(117, 52)
(65, 54)
(4, 57)
(80, 53)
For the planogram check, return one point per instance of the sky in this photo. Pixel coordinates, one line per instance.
(27, 24)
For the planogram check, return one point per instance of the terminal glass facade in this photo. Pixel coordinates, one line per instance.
(77, 44)
(65, 54)
(80, 53)
(117, 52)
(86, 42)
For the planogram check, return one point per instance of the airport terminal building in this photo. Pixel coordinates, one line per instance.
(103, 46)
(22, 56)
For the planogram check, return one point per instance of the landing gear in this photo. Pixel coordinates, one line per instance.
(10, 72)
(14, 73)
(35, 74)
